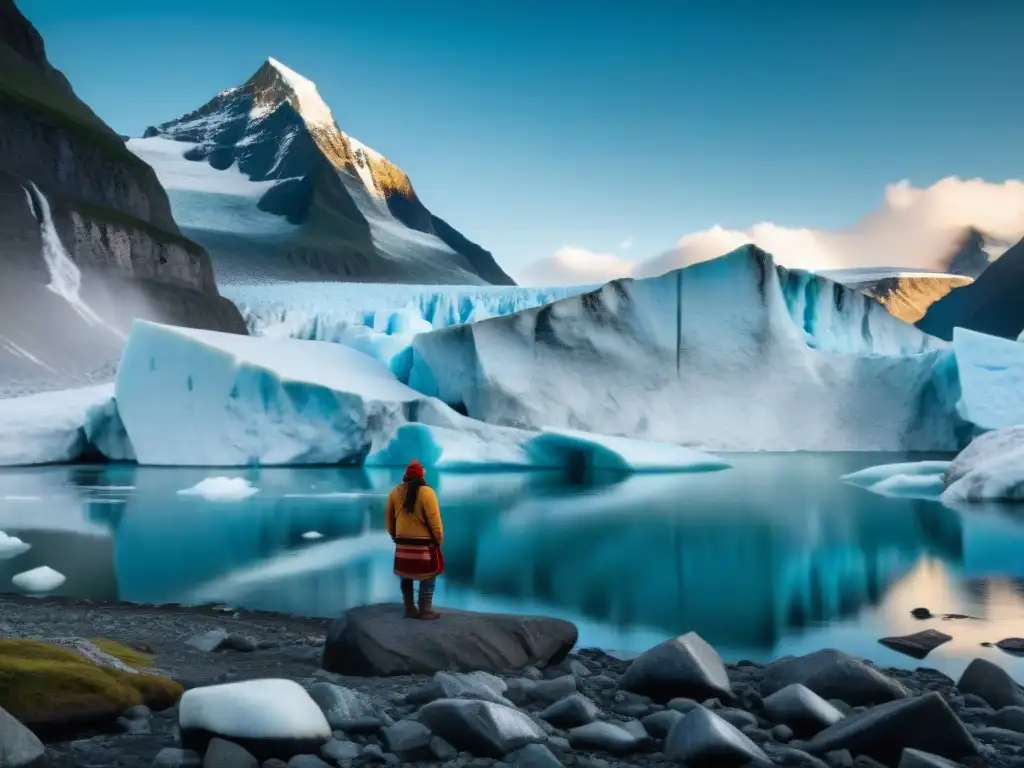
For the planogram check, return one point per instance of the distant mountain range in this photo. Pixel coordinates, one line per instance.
(265, 179)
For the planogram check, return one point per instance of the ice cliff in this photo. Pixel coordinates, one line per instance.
(732, 354)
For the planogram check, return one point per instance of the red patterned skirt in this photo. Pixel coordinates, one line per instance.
(417, 559)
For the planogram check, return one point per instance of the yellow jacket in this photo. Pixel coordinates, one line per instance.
(413, 525)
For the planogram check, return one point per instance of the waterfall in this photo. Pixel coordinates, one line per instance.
(65, 276)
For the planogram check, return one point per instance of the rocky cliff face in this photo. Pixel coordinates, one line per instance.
(909, 296)
(281, 192)
(83, 220)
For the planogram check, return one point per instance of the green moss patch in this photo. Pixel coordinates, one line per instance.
(129, 656)
(49, 687)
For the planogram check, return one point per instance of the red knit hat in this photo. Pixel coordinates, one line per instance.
(414, 471)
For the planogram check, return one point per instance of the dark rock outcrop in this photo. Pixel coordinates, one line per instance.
(84, 223)
(992, 683)
(917, 645)
(480, 727)
(375, 640)
(833, 674)
(702, 739)
(685, 666)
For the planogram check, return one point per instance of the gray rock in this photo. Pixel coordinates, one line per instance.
(208, 642)
(1011, 718)
(226, 754)
(372, 753)
(554, 689)
(801, 709)
(442, 750)
(138, 712)
(560, 743)
(737, 717)
(602, 736)
(462, 685)
(337, 750)
(917, 645)
(702, 738)
(530, 672)
(793, 756)
(644, 741)
(483, 728)
(782, 734)
(1014, 645)
(658, 724)
(570, 712)
(601, 681)
(518, 690)
(241, 643)
(306, 761)
(134, 726)
(367, 724)
(840, 758)
(915, 758)
(578, 669)
(833, 674)
(682, 666)
(407, 737)
(274, 762)
(992, 683)
(533, 756)
(343, 707)
(992, 735)
(172, 757)
(375, 640)
(883, 732)
(682, 704)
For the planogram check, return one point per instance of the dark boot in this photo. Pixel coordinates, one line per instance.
(426, 601)
(410, 603)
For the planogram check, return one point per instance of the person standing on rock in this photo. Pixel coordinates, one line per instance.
(414, 522)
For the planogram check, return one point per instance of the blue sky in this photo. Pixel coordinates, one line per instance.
(536, 124)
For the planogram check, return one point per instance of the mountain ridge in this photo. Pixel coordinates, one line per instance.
(357, 213)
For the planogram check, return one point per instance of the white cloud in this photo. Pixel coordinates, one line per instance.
(912, 229)
(626, 244)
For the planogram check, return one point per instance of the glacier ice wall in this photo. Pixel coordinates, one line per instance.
(730, 354)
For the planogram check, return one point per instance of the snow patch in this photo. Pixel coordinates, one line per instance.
(311, 106)
(41, 579)
(254, 709)
(221, 489)
(11, 546)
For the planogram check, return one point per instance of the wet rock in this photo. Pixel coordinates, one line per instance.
(993, 735)
(480, 727)
(601, 681)
(173, 757)
(554, 689)
(462, 685)
(578, 669)
(915, 758)
(883, 732)
(682, 704)
(1011, 718)
(917, 645)
(408, 738)
(833, 674)
(226, 754)
(1014, 645)
(782, 734)
(658, 724)
(572, 711)
(644, 741)
(208, 642)
(683, 666)
(840, 758)
(306, 761)
(793, 756)
(800, 708)
(603, 736)
(737, 717)
(922, 613)
(992, 683)
(372, 753)
(442, 750)
(337, 750)
(702, 738)
(375, 640)
(345, 708)
(135, 726)
(18, 745)
(533, 756)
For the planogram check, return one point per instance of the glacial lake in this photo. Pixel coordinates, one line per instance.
(776, 556)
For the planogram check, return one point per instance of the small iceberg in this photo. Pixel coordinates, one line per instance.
(912, 479)
(11, 546)
(312, 535)
(557, 447)
(221, 489)
(991, 468)
(39, 580)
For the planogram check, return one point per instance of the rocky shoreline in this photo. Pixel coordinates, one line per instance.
(675, 704)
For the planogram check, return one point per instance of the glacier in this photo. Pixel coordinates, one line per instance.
(730, 354)
(991, 468)
(991, 373)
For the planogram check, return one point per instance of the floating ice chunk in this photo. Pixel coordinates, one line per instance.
(11, 546)
(312, 535)
(453, 449)
(204, 398)
(221, 489)
(915, 479)
(41, 579)
(991, 379)
(556, 447)
(254, 709)
(991, 468)
(59, 426)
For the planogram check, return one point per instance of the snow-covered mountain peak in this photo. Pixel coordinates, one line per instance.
(275, 83)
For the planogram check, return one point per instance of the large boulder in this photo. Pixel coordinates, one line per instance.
(992, 683)
(685, 666)
(801, 709)
(702, 738)
(924, 722)
(461, 685)
(375, 641)
(18, 745)
(481, 727)
(269, 718)
(833, 674)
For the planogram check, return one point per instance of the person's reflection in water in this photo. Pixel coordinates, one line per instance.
(413, 517)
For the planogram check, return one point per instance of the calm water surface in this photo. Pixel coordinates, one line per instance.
(773, 557)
